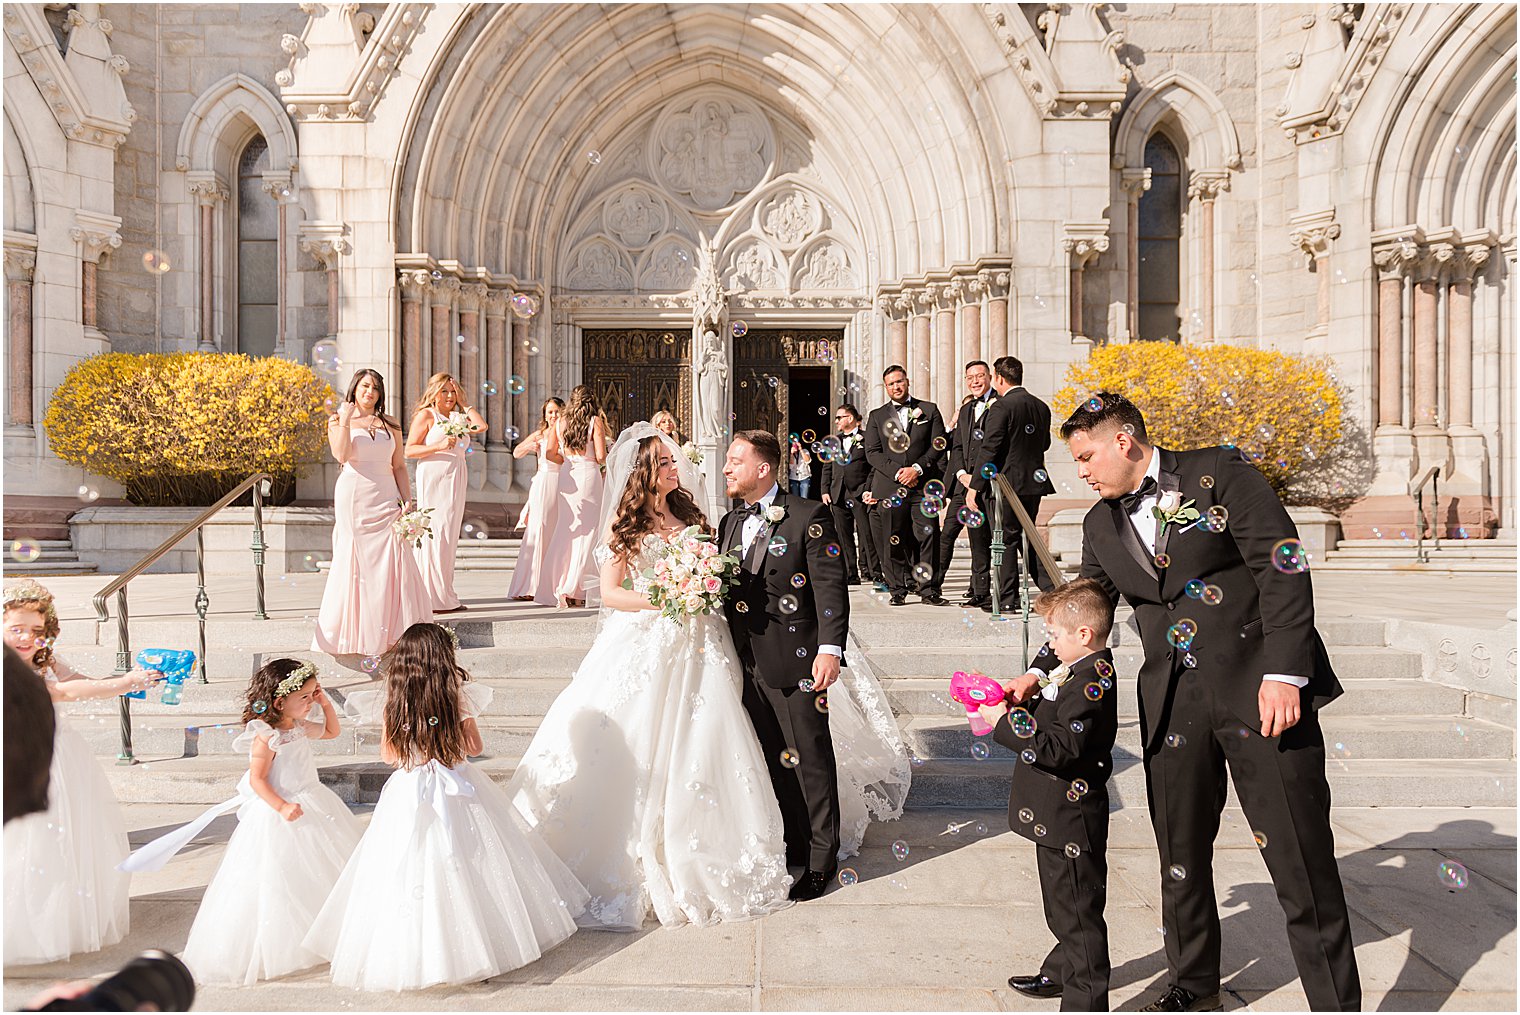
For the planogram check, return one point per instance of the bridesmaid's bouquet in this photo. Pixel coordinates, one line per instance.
(414, 526)
(689, 575)
(456, 426)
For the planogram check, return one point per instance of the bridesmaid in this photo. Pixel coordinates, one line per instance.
(534, 576)
(374, 590)
(442, 482)
(665, 421)
(581, 436)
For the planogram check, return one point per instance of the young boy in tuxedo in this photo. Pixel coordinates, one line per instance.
(1064, 736)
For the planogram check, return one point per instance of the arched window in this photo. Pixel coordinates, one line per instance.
(1160, 244)
(257, 254)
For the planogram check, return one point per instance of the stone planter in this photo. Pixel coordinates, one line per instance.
(115, 538)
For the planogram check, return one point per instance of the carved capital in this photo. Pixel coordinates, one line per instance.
(494, 302)
(1084, 242)
(471, 296)
(19, 264)
(1314, 233)
(1206, 185)
(277, 186)
(95, 241)
(1135, 182)
(208, 188)
(415, 283)
(1396, 257)
(325, 249)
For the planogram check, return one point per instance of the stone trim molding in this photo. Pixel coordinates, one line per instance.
(1213, 144)
(1070, 68)
(307, 83)
(1328, 112)
(206, 125)
(103, 118)
(325, 242)
(20, 256)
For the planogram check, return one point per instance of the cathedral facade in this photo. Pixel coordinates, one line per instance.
(743, 213)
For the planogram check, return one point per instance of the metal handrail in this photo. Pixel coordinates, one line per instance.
(261, 483)
(1431, 476)
(1030, 539)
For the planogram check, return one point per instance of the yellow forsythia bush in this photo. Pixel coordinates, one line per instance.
(184, 428)
(1285, 413)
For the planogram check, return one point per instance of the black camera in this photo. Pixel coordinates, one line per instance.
(155, 979)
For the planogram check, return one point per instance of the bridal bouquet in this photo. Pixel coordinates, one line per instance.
(689, 575)
(414, 526)
(692, 454)
(457, 425)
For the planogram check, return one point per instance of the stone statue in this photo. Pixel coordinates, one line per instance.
(709, 313)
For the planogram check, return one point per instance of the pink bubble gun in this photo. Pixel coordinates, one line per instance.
(975, 690)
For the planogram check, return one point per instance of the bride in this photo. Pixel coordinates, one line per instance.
(645, 775)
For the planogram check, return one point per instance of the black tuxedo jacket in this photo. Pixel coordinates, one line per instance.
(846, 474)
(823, 603)
(1016, 433)
(1265, 623)
(1073, 739)
(922, 432)
(966, 442)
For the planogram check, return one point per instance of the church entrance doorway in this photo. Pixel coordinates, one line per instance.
(636, 372)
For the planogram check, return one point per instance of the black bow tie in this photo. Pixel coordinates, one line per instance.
(1130, 501)
(756, 508)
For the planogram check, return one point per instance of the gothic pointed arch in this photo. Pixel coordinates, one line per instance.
(221, 120)
(1201, 120)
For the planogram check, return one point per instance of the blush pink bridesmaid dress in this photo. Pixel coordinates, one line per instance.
(575, 531)
(442, 480)
(535, 574)
(374, 590)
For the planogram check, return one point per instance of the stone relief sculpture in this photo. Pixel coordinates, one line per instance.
(754, 268)
(826, 267)
(598, 266)
(634, 216)
(791, 218)
(712, 152)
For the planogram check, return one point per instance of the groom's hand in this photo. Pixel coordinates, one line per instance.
(1280, 707)
(825, 671)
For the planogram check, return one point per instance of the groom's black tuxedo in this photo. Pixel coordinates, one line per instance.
(1199, 713)
(777, 648)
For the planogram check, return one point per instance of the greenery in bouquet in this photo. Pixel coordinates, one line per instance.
(458, 426)
(690, 576)
(415, 525)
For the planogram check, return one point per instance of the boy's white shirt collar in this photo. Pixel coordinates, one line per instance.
(1050, 690)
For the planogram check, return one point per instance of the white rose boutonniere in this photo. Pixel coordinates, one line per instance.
(775, 513)
(916, 414)
(1171, 509)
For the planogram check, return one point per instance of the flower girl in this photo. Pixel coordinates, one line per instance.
(293, 837)
(449, 884)
(63, 893)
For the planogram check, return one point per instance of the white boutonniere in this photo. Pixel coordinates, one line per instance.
(775, 513)
(1171, 509)
(916, 414)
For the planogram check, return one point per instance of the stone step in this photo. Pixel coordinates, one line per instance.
(45, 565)
(1354, 662)
(1347, 735)
(1436, 566)
(930, 696)
(1448, 544)
(936, 783)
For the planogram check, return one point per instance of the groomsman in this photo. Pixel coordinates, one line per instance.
(1017, 434)
(905, 441)
(1238, 687)
(843, 480)
(965, 452)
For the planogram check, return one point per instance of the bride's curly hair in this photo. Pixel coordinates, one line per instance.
(636, 511)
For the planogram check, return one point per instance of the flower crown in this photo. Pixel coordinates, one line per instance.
(29, 593)
(298, 676)
(453, 635)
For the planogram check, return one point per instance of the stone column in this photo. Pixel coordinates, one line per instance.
(1392, 261)
(496, 368)
(470, 299)
(325, 243)
(277, 186)
(210, 194)
(919, 363)
(20, 264)
(1205, 185)
(441, 332)
(1468, 449)
(995, 284)
(969, 330)
(1134, 183)
(1427, 270)
(96, 236)
(522, 412)
(415, 286)
(898, 312)
(945, 371)
(1313, 235)
(1083, 243)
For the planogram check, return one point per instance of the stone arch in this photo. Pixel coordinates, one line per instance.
(20, 212)
(222, 120)
(1208, 138)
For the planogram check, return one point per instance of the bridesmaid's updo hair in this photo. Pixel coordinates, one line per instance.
(353, 390)
(259, 702)
(636, 511)
(422, 713)
(435, 386)
(577, 417)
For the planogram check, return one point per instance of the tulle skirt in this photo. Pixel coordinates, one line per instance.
(448, 885)
(266, 894)
(63, 893)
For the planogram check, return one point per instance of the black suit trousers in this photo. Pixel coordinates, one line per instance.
(916, 545)
(1075, 891)
(1282, 789)
(1008, 574)
(788, 719)
(853, 527)
(980, 537)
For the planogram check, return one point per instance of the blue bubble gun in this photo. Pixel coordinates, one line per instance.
(174, 663)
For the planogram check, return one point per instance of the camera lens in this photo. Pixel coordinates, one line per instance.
(154, 978)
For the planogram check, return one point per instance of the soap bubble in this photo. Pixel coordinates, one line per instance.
(821, 703)
(1261, 839)
(1194, 589)
(1453, 876)
(940, 443)
(488, 388)
(1073, 850)
(898, 442)
(370, 664)
(1104, 668)
(1213, 595)
(324, 355)
(934, 488)
(260, 707)
(740, 329)
(1094, 404)
(516, 385)
(789, 758)
(799, 580)
(815, 531)
(1025, 815)
(1093, 691)
(847, 876)
(923, 572)
(88, 494)
(594, 157)
(1290, 557)
(1022, 723)
(832, 549)
(1163, 560)
(979, 751)
(900, 849)
(1176, 740)
(989, 471)
(1181, 634)
(1039, 831)
(787, 603)
(432, 720)
(802, 653)
(156, 261)
(1177, 872)
(777, 546)
(25, 550)
(524, 305)
(1207, 482)
(1027, 756)
(1040, 475)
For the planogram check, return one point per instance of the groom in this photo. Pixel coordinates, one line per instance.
(789, 615)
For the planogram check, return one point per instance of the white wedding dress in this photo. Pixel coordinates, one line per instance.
(647, 779)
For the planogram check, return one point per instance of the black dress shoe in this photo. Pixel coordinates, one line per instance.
(811, 885)
(1178, 999)
(975, 603)
(1038, 985)
(933, 599)
(898, 599)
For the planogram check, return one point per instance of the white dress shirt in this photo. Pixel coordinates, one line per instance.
(1145, 526)
(752, 526)
(902, 410)
(978, 410)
